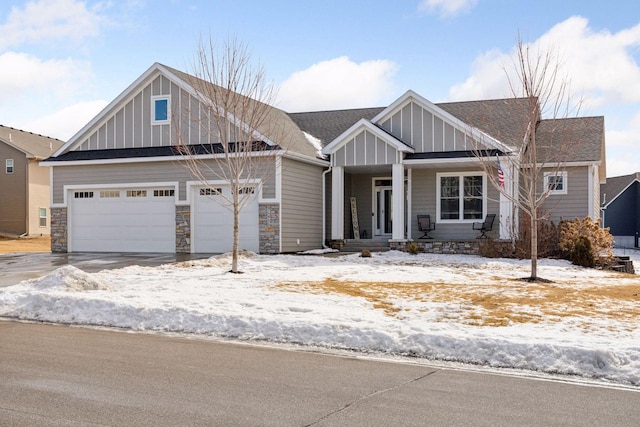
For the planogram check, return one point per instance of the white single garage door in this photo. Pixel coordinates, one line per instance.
(122, 220)
(212, 222)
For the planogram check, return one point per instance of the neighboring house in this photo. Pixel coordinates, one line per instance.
(24, 186)
(120, 185)
(621, 209)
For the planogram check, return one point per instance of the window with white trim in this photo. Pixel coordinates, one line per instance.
(42, 213)
(461, 196)
(160, 111)
(8, 165)
(556, 182)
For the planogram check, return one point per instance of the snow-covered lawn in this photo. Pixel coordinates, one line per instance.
(440, 307)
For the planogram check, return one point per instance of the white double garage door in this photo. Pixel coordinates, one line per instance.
(144, 220)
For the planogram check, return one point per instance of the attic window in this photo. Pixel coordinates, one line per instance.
(160, 110)
(9, 166)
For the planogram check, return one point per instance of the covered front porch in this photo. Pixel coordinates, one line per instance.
(365, 210)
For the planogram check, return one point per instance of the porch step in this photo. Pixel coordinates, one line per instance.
(373, 245)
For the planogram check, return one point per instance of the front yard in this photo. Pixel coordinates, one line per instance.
(438, 307)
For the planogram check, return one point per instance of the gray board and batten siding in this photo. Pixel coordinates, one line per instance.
(427, 132)
(130, 125)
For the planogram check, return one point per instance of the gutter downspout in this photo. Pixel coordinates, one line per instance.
(324, 207)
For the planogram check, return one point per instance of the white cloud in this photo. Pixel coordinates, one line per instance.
(446, 8)
(63, 124)
(337, 84)
(44, 21)
(22, 74)
(600, 65)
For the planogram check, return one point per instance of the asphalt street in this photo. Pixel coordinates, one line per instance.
(69, 376)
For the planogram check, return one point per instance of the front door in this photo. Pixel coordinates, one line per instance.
(382, 212)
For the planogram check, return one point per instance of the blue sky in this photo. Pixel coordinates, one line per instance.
(62, 61)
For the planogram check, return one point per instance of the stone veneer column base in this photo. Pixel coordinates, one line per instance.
(441, 247)
(269, 226)
(183, 229)
(59, 230)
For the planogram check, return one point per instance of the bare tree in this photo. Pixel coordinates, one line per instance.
(238, 128)
(518, 174)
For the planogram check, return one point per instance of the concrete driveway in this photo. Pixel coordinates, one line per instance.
(16, 267)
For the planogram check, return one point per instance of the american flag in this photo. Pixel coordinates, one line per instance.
(500, 174)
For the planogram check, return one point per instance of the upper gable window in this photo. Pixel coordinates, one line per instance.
(160, 114)
(9, 166)
(556, 182)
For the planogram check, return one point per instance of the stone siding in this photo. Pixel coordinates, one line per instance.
(59, 230)
(183, 229)
(269, 226)
(441, 247)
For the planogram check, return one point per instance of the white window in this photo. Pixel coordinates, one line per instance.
(461, 196)
(160, 111)
(556, 182)
(43, 217)
(9, 166)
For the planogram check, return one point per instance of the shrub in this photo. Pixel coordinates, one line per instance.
(548, 237)
(413, 248)
(600, 240)
(366, 253)
(581, 253)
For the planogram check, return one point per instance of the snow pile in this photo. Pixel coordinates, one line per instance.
(70, 278)
(300, 299)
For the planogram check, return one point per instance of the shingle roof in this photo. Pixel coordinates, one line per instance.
(289, 136)
(32, 144)
(328, 125)
(579, 139)
(616, 185)
(504, 119)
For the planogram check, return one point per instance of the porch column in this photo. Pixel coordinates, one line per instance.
(508, 224)
(337, 203)
(398, 201)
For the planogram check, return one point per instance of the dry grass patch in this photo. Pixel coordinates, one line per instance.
(26, 244)
(499, 303)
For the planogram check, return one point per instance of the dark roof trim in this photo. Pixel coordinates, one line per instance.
(165, 151)
(453, 154)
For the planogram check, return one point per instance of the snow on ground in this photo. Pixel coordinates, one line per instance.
(438, 307)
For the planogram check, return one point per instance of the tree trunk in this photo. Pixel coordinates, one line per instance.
(236, 234)
(534, 245)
